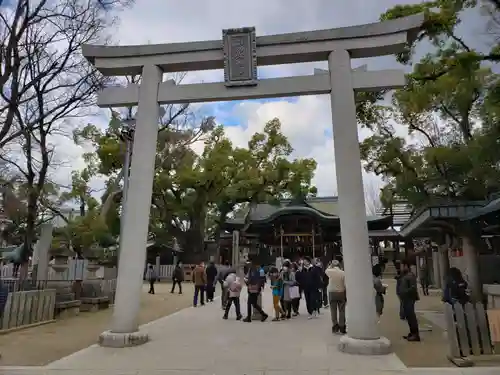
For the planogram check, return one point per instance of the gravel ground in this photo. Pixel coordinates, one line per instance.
(41, 345)
(432, 350)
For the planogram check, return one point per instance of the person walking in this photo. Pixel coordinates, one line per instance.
(320, 274)
(254, 287)
(276, 288)
(398, 277)
(296, 300)
(424, 279)
(324, 284)
(288, 278)
(380, 289)
(311, 283)
(177, 277)
(151, 276)
(456, 288)
(409, 296)
(211, 281)
(200, 281)
(234, 286)
(224, 272)
(337, 297)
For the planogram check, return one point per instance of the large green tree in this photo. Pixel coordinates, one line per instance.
(193, 193)
(437, 140)
(198, 188)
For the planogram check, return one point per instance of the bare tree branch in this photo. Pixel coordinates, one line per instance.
(45, 82)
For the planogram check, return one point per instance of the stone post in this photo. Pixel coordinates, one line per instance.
(444, 264)
(42, 253)
(471, 267)
(157, 267)
(125, 325)
(436, 276)
(417, 266)
(235, 254)
(362, 334)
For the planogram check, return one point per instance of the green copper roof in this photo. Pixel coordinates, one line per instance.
(491, 208)
(324, 208)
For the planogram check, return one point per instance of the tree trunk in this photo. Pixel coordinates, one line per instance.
(30, 232)
(82, 206)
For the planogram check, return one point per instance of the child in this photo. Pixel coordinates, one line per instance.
(234, 286)
(276, 287)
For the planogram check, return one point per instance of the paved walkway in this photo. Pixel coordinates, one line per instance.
(196, 341)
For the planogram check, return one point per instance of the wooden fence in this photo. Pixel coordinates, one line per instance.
(468, 332)
(28, 308)
(166, 271)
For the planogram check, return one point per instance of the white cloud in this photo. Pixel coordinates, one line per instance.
(307, 121)
(307, 125)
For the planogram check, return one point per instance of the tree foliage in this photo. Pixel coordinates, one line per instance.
(194, 192)
(224, 176)
(449, 109)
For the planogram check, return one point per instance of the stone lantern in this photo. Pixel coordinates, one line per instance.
(59, 263)
(92, 256)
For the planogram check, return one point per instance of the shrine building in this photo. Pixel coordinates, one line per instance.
(295, 228)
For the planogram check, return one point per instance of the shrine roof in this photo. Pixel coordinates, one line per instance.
(324, 208)
(492, 208)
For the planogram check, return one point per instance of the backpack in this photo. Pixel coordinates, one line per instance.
(235, 286)
(461, 292)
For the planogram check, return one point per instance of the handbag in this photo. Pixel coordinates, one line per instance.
(294, 292)
(254, 288)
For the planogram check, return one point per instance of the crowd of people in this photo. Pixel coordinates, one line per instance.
(288, 284)
(304, 280)
(307, 280)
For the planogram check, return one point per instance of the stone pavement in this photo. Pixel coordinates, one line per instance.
(196, 341)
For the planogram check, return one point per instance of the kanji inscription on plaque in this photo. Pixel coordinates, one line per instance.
(240, 57)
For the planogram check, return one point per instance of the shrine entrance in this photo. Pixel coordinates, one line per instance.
(239, 53)
(294, 229)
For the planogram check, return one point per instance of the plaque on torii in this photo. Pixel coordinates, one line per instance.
(240, 57)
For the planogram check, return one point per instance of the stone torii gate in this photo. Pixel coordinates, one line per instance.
(239, 53)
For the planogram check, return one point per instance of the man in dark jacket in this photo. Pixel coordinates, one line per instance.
(398, 277)
(253, 280)
(211, 280)
(312, 283)
(408, 292)
(152, 277)
(177, 277)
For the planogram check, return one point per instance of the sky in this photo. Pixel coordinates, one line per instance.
(306, 121)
